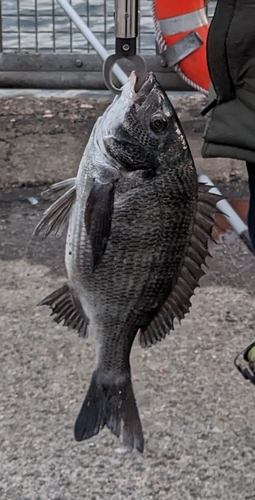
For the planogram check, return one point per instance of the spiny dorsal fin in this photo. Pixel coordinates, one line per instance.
(66, 306)
(178, 302)
(59, 188)
(55, 217)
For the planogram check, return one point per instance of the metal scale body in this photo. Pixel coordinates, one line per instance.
(126, 17)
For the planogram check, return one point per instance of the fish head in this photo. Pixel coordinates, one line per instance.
(141, 126)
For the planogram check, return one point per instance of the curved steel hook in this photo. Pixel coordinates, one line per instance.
(140, 69)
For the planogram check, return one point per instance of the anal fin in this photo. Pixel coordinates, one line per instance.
(55, 217)
(66, 307)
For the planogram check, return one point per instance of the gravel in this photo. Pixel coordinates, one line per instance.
(196, 409)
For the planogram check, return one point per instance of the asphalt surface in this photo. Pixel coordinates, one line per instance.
(197, 411)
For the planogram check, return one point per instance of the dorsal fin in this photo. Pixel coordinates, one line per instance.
(178, 302)
(56, 216)
(56, 190)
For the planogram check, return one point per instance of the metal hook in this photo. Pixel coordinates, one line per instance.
(126, 18)
(140, 69)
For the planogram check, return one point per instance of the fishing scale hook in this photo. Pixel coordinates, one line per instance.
(126, 16)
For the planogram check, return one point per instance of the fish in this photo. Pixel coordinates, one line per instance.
(139, 226)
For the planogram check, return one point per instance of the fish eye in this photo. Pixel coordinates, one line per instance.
(158, 123)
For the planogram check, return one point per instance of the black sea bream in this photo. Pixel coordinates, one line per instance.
(139, 225)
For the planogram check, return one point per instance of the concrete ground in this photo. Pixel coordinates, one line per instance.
(197, 411)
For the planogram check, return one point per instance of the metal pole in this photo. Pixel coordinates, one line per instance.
(87, 33)
(229, 213)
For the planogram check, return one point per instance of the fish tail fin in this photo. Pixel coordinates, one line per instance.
(111, 404)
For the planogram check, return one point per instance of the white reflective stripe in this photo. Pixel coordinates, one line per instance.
(184, 22)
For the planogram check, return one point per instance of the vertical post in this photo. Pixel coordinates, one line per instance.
(1, 38)
(54, 25)
(19, 31)
(36, 26)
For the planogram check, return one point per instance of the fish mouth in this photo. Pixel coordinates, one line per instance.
(142, 89)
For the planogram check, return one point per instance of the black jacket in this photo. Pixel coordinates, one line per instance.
(230, 130)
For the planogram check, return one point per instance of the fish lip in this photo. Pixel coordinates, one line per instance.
(148, 82)
(142, 93)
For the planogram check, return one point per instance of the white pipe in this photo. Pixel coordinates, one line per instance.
(87, 33)
(231, 216)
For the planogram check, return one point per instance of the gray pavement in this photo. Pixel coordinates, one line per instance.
(197, 411)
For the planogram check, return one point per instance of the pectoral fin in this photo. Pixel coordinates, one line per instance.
(55, 217)
(98, 218)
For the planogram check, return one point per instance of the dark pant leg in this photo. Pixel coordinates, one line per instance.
(251, 213)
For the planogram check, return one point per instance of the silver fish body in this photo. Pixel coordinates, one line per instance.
(138, 233)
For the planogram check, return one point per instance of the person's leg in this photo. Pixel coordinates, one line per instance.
(251, 213)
